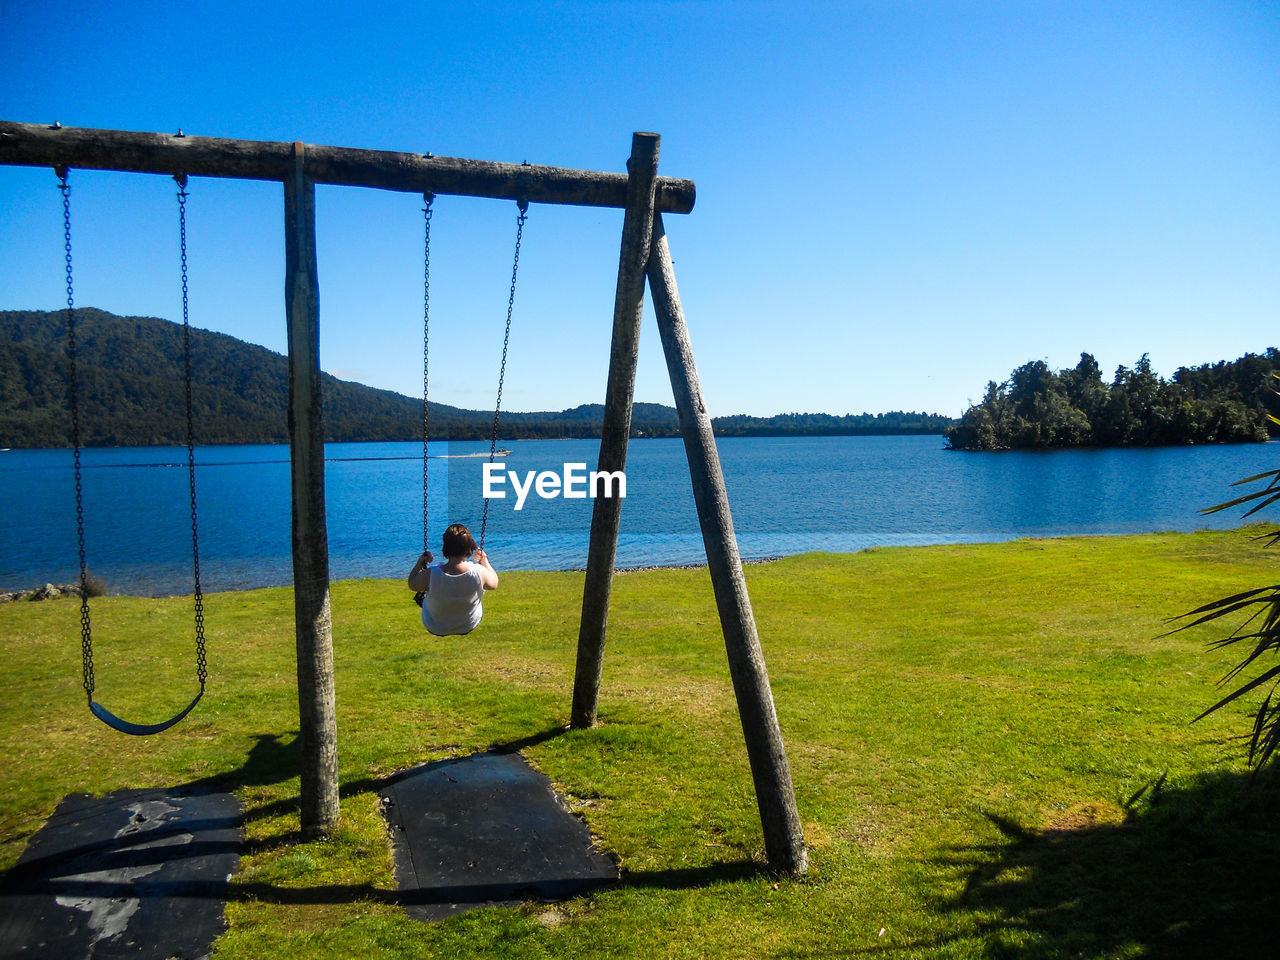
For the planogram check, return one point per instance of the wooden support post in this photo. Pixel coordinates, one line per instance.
(783, 835)
(318, 738)
(628, 307)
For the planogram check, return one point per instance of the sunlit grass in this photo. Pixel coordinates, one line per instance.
(935, 702)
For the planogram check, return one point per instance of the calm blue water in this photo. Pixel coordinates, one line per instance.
(788, 496)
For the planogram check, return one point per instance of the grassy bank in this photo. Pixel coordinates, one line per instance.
(967, 728)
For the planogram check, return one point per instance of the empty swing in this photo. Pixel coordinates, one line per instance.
(86, 635)
(428, 198)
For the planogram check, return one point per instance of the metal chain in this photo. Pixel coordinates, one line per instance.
(426, 353)
(202, 671)
(73, 380)
(73, 389)
(502, 370)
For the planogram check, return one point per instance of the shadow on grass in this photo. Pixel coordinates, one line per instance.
(275, 760)
(77, 860)
(1189, 872)
(694, 878)
(88, 887)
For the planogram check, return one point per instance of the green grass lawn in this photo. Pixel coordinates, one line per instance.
(967, 727)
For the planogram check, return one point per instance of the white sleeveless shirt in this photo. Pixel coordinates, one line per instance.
(453, 604)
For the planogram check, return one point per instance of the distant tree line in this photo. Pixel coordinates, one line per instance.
(1037, 408)
(825, 424)
(132, 394)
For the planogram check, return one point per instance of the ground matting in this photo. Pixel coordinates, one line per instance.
(136, 873)
(486, 830)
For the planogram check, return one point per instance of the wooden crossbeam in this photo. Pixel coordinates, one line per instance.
(38, 145)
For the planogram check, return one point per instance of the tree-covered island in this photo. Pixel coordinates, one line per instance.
(1037, 408)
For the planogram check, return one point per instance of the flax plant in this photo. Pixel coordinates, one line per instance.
(1261, 628)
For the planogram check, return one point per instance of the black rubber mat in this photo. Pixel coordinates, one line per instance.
(486, 830)
(136, 873)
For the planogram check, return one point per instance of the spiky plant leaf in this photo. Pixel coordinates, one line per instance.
(1261, 626)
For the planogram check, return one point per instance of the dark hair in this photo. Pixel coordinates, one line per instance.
(458, 542)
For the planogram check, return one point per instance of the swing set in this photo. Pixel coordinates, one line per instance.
(645, 256)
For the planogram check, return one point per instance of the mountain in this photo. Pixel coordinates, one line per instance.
(132, 394)
(131, 388)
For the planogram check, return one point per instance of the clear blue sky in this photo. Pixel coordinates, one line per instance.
(897, 201)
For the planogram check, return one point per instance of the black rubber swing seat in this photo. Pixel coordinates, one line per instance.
(141, 729)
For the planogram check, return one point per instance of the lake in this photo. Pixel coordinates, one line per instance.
(789, 495)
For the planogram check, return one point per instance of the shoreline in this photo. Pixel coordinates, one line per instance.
(99, 589)
(55, 591)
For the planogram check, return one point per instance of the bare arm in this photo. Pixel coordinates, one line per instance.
(488, 575)
(420, 576)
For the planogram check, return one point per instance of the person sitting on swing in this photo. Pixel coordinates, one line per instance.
(454, 590)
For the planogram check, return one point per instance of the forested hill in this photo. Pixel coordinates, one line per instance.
(132, 393)
(1039, 408)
